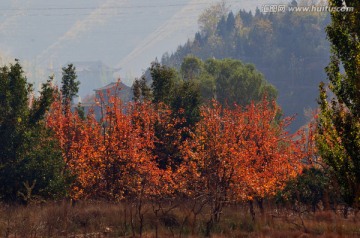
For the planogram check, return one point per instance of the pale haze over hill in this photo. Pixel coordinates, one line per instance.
(123, 34)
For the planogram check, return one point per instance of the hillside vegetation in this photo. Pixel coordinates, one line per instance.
(289, 48)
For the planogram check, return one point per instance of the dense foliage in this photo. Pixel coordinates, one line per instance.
(309, 189)
(139, 152)
(30, 157)
(339, 125)
(289, 48)
(227, 80)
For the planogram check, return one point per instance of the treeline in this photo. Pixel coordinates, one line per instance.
(289, 48)
(228, 81)
(167, 144)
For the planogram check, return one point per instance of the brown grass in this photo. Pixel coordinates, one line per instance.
(101, 219)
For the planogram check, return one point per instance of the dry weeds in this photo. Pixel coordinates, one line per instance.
(102, 219)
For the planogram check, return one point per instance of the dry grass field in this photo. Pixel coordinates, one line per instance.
(101, 219)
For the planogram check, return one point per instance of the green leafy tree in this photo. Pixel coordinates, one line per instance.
(191, 67)
(207, 86)
(141, 91)
(186, 103)
(182, 96)
(309, 188)
(339, 121)
(238, 83)
(30, 161)
(163, 82)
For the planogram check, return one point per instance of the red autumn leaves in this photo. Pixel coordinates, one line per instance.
(235, 154)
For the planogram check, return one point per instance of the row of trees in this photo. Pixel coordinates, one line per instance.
(169, 131)
(167, 144)
(145, 152)
(228, 80)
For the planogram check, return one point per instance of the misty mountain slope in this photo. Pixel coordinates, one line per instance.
(121, 33)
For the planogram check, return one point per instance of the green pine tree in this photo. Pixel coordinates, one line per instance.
(30, 160)
(70, 86)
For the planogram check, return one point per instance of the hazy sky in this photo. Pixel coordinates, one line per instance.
(126, 34)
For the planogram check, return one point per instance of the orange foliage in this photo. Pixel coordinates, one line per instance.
(234, 154)
(112, 158)
(241, 154)
(272, 156)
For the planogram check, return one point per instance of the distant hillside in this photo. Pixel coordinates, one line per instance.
(121, 33)
(290, 49)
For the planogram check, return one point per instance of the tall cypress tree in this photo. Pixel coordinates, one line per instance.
(339, 121)
(70, 86)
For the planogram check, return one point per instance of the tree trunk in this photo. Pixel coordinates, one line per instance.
(325, 201)
(260, 203)
(252, 211)
(346, 211)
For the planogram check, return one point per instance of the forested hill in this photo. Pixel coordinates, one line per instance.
(290, 49)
